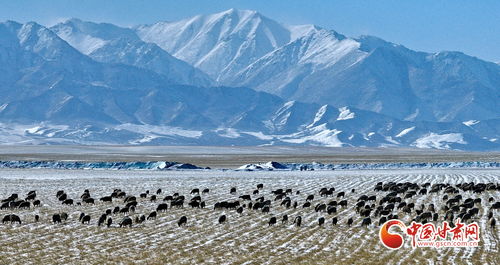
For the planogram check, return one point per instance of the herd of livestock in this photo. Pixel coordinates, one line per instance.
(387, 201)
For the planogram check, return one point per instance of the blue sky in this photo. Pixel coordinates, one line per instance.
(472, 27)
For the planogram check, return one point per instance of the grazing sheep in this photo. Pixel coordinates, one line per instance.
(366, 221)
(321, 221)
(245, 197)
(24, 205)
(86, 219)
(298, 221)
(106, 199)
(222, 219)
(284, 220)
(102, 219)
(64, 216)
(12, 218)
(152, 215)
(68, 202)
(89, 201)
(182, 221)
(56, 218)
(320, 207)
(163, 207)
(382, 220)
(126, 221)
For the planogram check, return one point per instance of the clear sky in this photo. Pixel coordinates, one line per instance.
(470, 26)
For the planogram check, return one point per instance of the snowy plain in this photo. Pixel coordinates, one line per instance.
(245, 239)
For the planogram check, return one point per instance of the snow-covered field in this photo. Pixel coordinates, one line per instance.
(245, 239)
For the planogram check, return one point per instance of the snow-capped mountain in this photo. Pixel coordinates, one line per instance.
(108, 43)
(220, 44)
(97, 83)
(308, 63)
(44, 78)
(371, 74)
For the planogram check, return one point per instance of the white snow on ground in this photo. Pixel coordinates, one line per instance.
(159, 130)
(439, 141)
(243, 239)
(345, 114)
(405, 131)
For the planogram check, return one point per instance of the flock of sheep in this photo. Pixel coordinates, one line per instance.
(387, 201)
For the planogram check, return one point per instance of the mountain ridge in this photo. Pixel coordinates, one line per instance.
(117, 88)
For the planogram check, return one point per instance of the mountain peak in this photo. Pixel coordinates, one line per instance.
(240, 12)
(219, 44)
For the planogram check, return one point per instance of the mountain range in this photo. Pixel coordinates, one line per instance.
(238, 78)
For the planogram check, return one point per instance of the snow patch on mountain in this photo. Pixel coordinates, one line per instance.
(319, 115)
(439, 141)
(470, 122)
(345, 114)
(405, 131)
(228, 133)
(318, 135)
(82, 42)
